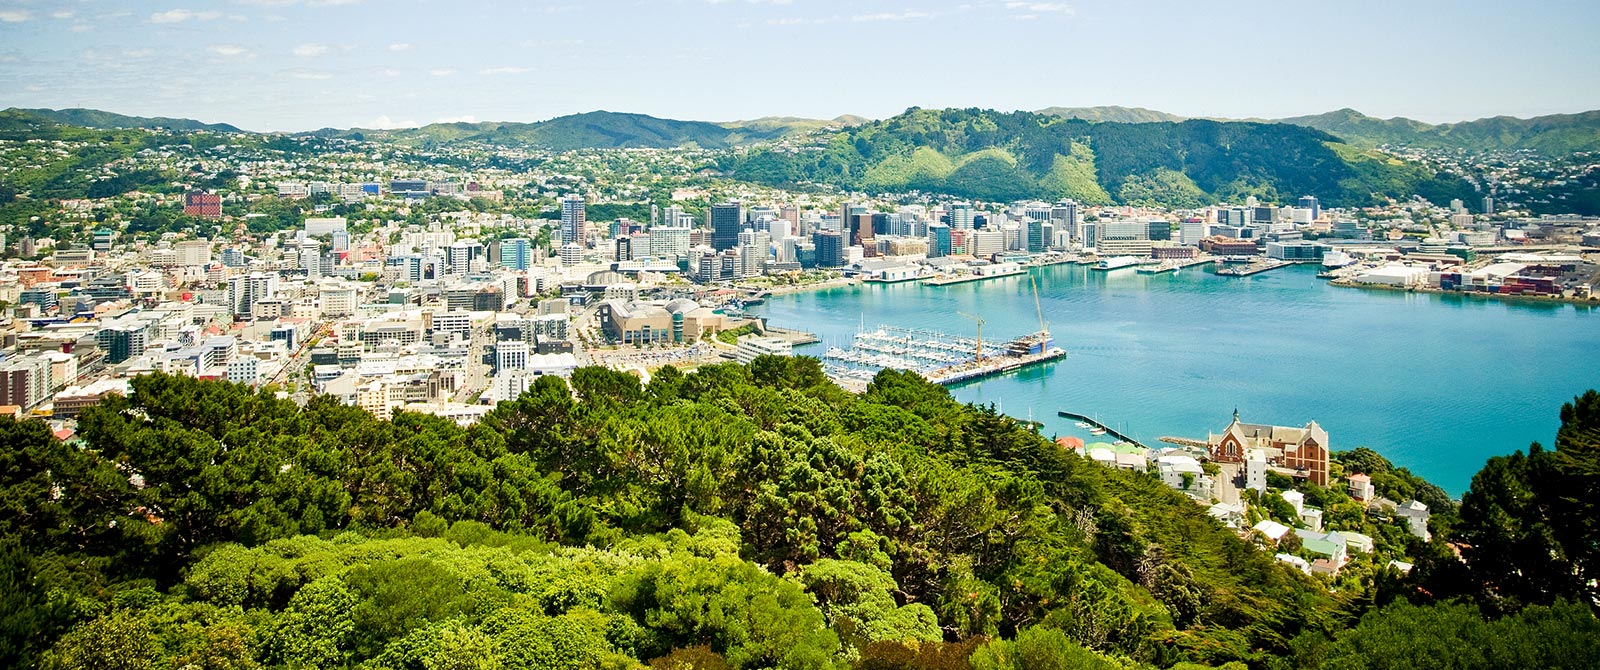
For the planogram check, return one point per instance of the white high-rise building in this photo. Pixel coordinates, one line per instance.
(510, 355)
(669, 242)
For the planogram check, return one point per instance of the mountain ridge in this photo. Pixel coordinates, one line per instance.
(1003, 156)
(1553, 134)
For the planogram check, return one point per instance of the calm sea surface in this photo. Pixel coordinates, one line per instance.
(1435, 383)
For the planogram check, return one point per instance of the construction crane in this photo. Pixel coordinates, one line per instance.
(980, 331)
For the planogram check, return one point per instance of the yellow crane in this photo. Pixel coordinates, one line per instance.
(980, 331)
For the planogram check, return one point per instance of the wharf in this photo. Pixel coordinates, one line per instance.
(1096, 423)
(993, 365)
(1258, 268)
(962, 279)
(901, 280)
(1170, 265)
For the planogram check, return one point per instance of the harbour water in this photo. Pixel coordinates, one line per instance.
(1436, 383)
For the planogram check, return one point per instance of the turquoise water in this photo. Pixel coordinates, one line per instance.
(1435, 383)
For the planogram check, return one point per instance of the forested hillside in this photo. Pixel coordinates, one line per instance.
(1008, 156)
(734, 517)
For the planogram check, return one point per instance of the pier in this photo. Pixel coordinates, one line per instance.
(962, 279)
(1096, 423)
(1258, 267)
(1170, 265)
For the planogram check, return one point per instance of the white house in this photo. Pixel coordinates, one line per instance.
(1272, 529)
(1416, 516)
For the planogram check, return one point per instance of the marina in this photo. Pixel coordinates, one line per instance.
(1095, 425)
(1123, 351)
(940, 357)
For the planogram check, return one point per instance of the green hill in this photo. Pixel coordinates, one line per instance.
(1004, 156)
(94, 118)
(1555, 134)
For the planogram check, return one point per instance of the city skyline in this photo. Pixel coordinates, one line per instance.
(275, 65)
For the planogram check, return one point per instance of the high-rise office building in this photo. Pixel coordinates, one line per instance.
(830, 248)
(516, 253)
(1310, 202)
(574, 220)
(938, 240)
(1038, 238)
(961, 216)
(726, 220)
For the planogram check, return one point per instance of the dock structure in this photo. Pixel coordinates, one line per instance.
(1258, 267)
(1175, 264)
(1097, 424)
(941, 358)
(972, 277)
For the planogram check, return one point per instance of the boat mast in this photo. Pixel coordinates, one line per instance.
(1043, 330)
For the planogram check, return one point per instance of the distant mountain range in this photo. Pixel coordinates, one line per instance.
(94, 118)
(602, 130)
(1557, 134)
(1001, 156)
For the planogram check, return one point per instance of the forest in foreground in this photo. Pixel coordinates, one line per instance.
(733, 517)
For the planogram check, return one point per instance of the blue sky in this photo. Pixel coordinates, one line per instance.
(302, 64)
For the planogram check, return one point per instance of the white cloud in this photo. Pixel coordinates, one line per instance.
(289, 3)
(1042, 7)
(504, 70)
(389, 72)
(14, 15)
(80, 28)
(906, 15)
(61, 14)
(467, 118)
(442, 71)
(139, 53)
(400, 46)
(309, 50)
(181, 15)
(228, 50)
(386, 123)
(312, 75)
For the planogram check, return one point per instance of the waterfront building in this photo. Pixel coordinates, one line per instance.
(829, 248)
(752, 345)
(938, 240)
